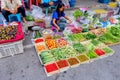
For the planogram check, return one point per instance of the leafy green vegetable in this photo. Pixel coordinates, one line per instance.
(78, 13)
(110, 37)
(89, 46)
(91, 55)
(95, 42)
(46, 57)
(29, 18)
(76, 37)
(79, 47)
(108, 50)
(115, 31)
(57, 54)
(90, 36)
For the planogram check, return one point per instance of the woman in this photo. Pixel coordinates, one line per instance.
(57, 24)
(12, 7)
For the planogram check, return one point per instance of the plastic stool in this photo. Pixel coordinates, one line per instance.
(15, 17)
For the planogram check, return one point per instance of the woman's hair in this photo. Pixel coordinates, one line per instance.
(60, 5)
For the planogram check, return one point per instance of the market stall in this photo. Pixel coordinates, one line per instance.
(11, 38)
(79, 44)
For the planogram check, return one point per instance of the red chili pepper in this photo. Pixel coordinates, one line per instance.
(99, 52)
(38, 40)
(62, 63)
(51, 67)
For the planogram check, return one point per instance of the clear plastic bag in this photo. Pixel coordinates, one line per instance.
(37, 12)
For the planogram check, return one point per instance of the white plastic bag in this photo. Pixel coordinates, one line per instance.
(37, 12)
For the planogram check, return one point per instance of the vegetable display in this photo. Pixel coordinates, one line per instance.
(51, 44)
(70, 51)
(107, 50)
(73, 61)
(40, 47)
(51, 67)
(99, 52)
(46, 57)
(115, 31)
(8, 32)
(62, 42)
(78, 13)
(76, 37)
(82, 58)
(37, 34)
(89, 46)
(62, 63)
(95, 42)
(110, 37)
(58, 55)
(89, 36)
(79, 47)
(38, 40)
(29, 18)
(91, 54)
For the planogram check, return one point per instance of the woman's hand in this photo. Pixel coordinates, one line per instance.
(58, 29)
(70, 21)
(13, 11)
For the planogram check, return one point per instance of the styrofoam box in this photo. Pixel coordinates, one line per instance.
(10, 49)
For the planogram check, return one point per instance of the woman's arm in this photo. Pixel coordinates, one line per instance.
(55, 24)
(68, 19)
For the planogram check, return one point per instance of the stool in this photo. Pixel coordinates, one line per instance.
(31, 2)
(15, 17)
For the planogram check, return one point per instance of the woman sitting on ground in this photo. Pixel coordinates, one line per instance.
(12, 7)
(58, 23)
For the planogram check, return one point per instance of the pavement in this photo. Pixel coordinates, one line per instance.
(26, 66)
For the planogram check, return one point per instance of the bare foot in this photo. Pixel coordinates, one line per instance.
(24, 20)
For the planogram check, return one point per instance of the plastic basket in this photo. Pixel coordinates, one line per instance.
(11, 49)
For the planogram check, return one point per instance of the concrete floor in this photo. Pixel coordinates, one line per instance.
(26, 66)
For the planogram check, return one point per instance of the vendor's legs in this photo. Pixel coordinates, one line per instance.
(62, 24)
(22, 11)
(6, 14)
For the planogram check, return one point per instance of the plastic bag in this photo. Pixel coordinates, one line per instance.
(37, 12)
(75, 24)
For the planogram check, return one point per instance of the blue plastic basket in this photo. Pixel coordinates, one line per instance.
(15, 17)
(104, 1)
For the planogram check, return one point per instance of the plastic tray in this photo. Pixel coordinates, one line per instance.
(40, 44)
(52, 72)
(74, 65)
(84, 62)
(19, 35)
(63, 68)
